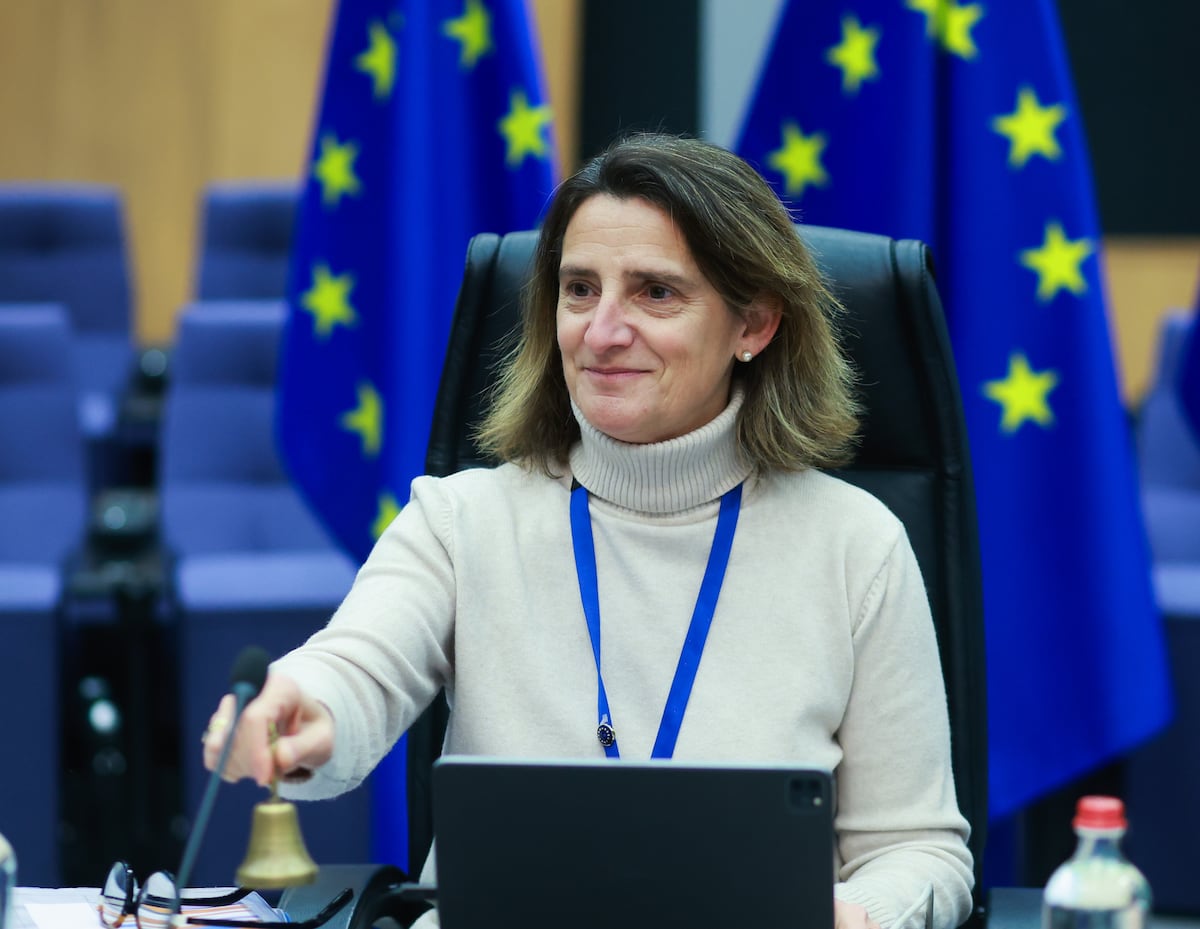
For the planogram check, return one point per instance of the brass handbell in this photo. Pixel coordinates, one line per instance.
(277, 857)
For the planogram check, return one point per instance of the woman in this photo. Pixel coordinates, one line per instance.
(677, 362)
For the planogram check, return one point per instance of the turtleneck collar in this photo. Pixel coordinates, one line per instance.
(662, 477)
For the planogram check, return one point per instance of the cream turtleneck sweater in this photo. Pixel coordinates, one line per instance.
(821, 650)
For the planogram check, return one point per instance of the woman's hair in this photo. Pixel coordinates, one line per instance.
(799, 409)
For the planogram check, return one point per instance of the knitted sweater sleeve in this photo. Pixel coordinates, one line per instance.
(387, 650)
(899, 828)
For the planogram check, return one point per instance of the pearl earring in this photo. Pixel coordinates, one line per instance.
(746, 356)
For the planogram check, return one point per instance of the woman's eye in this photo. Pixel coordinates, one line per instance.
(577, 289)
(658, 292)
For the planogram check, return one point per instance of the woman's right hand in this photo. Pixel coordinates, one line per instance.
(304, 727)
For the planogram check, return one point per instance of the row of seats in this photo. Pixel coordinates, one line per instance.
(1169, 453)
(158, 585)
(251, 563)
(240, 557)
(42, 506)
(1162, 774)
(67, 244)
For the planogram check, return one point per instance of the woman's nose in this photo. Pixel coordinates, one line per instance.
(609, 325)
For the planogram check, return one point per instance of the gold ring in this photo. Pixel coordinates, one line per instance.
(216, 724)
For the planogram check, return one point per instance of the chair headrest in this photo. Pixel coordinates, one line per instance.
(66, 243)
(227, 342)
(249, 216)
(35, 344)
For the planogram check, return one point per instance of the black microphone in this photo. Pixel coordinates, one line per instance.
(245, 681)
(249, 674)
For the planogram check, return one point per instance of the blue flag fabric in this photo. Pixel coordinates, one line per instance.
(434, 126)
(955, 123)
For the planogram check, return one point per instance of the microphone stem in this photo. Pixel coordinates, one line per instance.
(206, 803)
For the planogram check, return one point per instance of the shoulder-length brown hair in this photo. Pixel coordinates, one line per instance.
(799, 409)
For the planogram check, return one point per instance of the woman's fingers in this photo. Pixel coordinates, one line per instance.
(217, 731)
(308, 746)
(253, 754)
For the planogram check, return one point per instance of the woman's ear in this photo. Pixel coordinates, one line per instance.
(761, 320)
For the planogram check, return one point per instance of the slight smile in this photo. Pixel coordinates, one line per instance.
(608, 374)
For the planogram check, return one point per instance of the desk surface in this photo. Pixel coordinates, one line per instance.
(75, 907)
(78, 913)
(1008, 908)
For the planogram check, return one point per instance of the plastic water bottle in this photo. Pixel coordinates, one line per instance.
(8, 882)
(1097, 888)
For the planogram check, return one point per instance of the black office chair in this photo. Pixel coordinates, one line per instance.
(913, 456)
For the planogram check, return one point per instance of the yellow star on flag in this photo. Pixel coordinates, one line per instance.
(855, 54)
(328, 299)
(1057, 261)
(799, 160)
(388, 510)
(1022, 394)
(379, 60)
(334, 170)
(522, 129)
(473, 30)
(1030, 129)
(950, 24)
(366, 419)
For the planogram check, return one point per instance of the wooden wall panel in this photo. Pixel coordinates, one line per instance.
(159, 98)
(560, 25)
(1146, 277)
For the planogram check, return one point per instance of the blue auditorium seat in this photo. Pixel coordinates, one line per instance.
(1161, 776)
(1169, 463)
(1189, 377)
(66, 243)
(251, 565)
(43, 511)
(245, 240)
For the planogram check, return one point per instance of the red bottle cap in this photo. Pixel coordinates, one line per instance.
(1099, 813)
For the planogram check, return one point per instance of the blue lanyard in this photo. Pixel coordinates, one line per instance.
(693, 644)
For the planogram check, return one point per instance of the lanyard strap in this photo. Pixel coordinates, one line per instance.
(693, 644)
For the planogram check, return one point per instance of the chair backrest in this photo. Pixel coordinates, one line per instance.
(43, 518)
(245, 240)
(1168, 450)
(913, 455)
(43, 495)
(222, 485)
(249, 561)
(1189, 375)
(66, 243)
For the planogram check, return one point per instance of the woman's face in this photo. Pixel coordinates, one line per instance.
(647, 343)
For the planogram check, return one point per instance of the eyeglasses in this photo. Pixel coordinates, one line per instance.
(153, 904)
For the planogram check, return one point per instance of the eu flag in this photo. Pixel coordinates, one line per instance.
(434, 126)
(955, 123)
